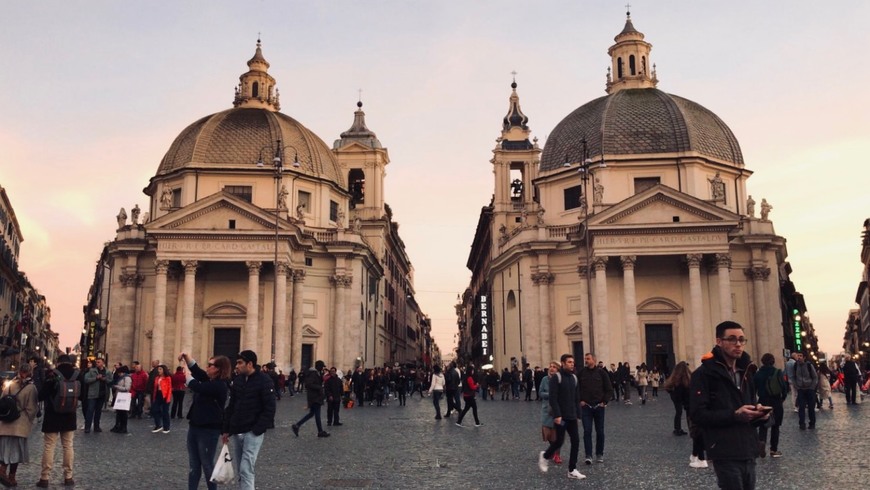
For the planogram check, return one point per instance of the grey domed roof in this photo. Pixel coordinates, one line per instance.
(637, 121)
(233, 139)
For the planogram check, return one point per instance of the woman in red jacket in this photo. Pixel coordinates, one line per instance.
(160, 399)
(469, 392)
(179, 384)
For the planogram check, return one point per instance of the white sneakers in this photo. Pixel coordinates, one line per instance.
(694, 462)
(542, 462)
(575, 475)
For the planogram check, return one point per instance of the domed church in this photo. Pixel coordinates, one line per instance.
(260, 236)
(630, 234)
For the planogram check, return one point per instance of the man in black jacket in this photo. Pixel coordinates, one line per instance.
(250, 413)
(564, 403)
(333, 388)
(314, 391)
(722, 403)
(57, 425)
(595, 392)
(451, 388)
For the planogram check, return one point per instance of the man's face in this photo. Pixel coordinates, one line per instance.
(246, 368)
(600, 364)
(799, 357)
(729, 344)
(154, 364)
(589, 361)
(568, 365)
(100, 364)
(137, 367)
(613, 367)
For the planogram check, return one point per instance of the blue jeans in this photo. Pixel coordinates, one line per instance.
(735, 474)
(313, 411)
(593, 415)
(201, 450)
(436, 400)
(246, 447)
(160, 412)
(93, 412)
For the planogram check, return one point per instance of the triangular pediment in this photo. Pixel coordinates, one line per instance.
(662, 205)
(574, 329)
(309, 331)
(216, 212)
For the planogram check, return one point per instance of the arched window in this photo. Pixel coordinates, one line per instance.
(255, 91)
(618, 68)
(356, 180)
(511, 300)
(631, 66)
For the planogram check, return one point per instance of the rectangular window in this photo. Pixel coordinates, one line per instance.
(244, 192)
(333, 211)
(304, 200)
(643, 183)
(232, 224)
(176, 197)
(572, 197)
(309, 261)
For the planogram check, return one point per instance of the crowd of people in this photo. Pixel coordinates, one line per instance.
(734, 408)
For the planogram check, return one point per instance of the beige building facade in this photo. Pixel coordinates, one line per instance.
(254, 226)
(630, 234)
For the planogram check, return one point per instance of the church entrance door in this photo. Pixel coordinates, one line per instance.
(227, 342)
(660, 346)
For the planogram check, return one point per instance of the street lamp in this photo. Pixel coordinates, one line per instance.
(278, 174)
(585, 170)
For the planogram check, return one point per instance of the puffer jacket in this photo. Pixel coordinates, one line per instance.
(713, 400)
(209, 399)
(252, 405)
(314, 387)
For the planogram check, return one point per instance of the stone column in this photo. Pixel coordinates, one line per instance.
(161, 268)
(632, 334)
(698, 347)
(131, 280)
(601, 324)
(298, 276)
(723, 265)
(280, 319)
(187, 304)
(251, 338)
(759, 275)
(340, 284)
(544, 347)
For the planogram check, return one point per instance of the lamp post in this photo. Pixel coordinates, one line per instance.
(278, 175)
(585, 170)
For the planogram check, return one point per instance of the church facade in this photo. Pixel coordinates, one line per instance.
(260, 236)
(630, 234)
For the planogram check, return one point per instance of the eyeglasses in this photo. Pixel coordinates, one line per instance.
(735, 340)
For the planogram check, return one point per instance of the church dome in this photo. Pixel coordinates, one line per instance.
(640, 121)
(236, 138)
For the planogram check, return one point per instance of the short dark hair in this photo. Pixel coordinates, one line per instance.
(768, 359)
(726, 325)
(565, 357)
(248, 356)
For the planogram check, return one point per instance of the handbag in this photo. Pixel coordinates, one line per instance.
(223, 473)
(122, 401)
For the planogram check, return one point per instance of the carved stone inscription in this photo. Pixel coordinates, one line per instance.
(634, 240)
(217, 246)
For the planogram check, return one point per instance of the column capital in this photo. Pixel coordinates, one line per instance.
(583, 270)
(298, 275)
(628, 262)
(694, 260)
(132, 279)
(341, 280)
(599, 264)
(161, 266)
(190, 266)
(757, 273)
(253, 266)
(723, 261)
(543, 278)
(282, 268)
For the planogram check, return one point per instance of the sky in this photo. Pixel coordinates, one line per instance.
(93, 93)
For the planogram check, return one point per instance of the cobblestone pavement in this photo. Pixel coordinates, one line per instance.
(404, 447)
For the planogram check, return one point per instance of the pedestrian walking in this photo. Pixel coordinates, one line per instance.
(249, 414)
(772, 389)
(548, 429)
(436, 389)
(594, 393)
(209, 388)
(452, 380)
(59, 421)
(314, 393)
(469, 392)
(564, 402)
(805, 380)
(14, 433)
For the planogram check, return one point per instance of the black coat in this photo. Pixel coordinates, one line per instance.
(564, 395)
(209, 400)
(252, 405)
(713, 399)
(314, 386)
(56, 422)
(595, 386)
(333, 388)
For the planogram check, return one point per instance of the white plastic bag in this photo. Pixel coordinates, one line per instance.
(223, 468)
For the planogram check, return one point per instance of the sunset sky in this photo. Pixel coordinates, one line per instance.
(93, 93)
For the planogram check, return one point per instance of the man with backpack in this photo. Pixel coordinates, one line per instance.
(60, 394)
(805, 381)
(451, 388)
(772, 390)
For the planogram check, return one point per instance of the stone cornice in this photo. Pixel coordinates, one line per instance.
(666, 199)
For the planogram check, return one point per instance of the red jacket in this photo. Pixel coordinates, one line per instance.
(179, 381)
(164, 384)
(140, 382)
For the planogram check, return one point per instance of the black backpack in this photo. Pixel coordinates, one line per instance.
(66, 393)
(9, 411)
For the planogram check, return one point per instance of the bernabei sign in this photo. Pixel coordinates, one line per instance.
(484, 324)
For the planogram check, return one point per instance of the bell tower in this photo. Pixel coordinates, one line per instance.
(363, 160)
(256, 87)
(630, 62)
